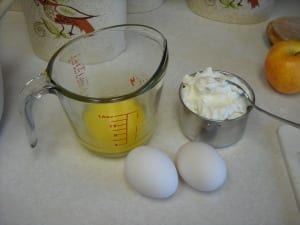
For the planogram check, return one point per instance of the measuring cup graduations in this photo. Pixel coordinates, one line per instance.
(109, 84)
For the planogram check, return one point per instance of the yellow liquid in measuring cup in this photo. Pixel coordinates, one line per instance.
(115, 127)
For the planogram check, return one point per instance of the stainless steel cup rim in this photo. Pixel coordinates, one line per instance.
(249, 108)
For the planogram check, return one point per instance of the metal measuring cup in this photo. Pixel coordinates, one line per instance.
(217, 133)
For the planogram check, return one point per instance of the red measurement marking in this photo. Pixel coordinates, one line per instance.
(119, 129)
(132, 80)
(115, 121)
(104, 116)
(119, 126)
(137, 80)
(136, 132)
(115, 135)
(79, 71)
(120, 139)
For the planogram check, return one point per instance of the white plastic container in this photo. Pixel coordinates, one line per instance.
(236, 11)
(53, 23)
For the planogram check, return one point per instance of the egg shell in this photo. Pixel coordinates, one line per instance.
(151, 172)
(200, 166)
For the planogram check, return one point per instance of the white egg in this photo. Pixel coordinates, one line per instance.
(151, 172)
(201, 166)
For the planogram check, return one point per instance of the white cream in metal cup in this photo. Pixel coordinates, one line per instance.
(217, 133)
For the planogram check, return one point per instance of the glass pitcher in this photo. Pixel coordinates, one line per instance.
(109, 84)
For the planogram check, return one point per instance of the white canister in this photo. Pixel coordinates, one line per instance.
(139, 6)
(51, 23)
(233, 11)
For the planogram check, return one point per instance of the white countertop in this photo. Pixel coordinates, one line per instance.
(61, 183)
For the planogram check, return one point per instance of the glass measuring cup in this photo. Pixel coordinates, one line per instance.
(109, 84)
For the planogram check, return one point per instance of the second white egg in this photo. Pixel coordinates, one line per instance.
(201, 166)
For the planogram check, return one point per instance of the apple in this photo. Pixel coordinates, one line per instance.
(282, 67)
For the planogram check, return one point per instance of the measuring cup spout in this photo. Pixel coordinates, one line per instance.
(34, 90)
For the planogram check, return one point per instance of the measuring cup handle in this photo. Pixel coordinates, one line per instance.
(34, 90)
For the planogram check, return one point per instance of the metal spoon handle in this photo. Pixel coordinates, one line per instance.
(297, 125)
